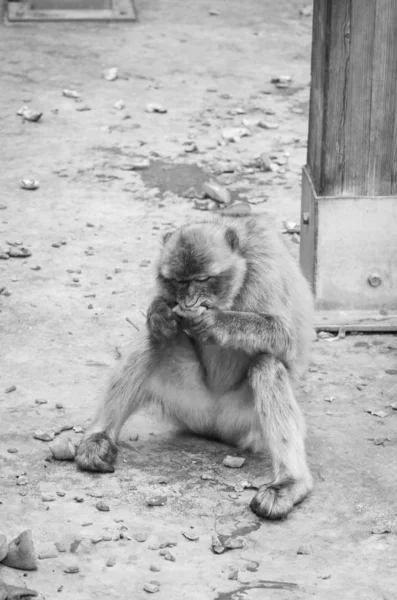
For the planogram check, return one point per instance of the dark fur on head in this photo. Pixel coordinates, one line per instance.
(201, 265)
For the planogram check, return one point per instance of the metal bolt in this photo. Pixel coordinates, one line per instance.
(374, 280)
(305, 218)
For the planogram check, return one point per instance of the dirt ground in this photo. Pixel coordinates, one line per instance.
(64, 323)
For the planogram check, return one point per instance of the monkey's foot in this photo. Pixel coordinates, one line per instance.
(275, 501)
(96, 452)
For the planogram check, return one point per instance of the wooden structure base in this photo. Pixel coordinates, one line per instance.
(364, 321)
(86, 10)
(349, 249)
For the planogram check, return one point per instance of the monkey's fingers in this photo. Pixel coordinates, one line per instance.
(96, 452)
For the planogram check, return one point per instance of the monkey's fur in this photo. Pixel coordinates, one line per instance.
(227, 335)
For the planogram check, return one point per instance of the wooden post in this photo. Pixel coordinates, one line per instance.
(349, 189)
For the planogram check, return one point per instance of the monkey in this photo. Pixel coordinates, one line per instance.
(227, 337)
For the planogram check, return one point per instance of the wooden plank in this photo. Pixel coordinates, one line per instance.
(319, 75)
(357, 99)
(338, 43)
(70, 4)
(382, 166)
(364, 321)
(356, 238)
(307, 248)
(123, 10)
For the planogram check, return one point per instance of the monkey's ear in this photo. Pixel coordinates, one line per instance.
(167, 236)
(232, 238)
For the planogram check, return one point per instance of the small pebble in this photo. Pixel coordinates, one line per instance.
(233, 462)
(60, 547)
(44, 436)
(233, 574)
(60, 493)
(71, 568)
(47, 554)
(78, 429)
(155, 568)
(305, 549)
(190, 535)
(78, 499)
(59, 405)
(140, 537)
(12, 450)
(40, 401)
(102, 507)
(22, 480)
(47, 498)
(151, 587)
(156, 500)
(10, 389)
(75, 544)
(111, 562)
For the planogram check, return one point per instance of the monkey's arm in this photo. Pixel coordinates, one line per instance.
(250, 332)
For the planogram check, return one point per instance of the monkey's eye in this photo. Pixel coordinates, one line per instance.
(202, 278)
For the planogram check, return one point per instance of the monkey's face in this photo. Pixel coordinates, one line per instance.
(200, 267)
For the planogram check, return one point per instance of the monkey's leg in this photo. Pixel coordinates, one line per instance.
(168, 374)
(284, 429)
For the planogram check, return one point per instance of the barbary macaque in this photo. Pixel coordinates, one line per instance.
(228, 334)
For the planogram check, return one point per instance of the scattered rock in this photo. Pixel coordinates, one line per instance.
(75, 544)
(95, 494)
(44, 436)
(47, 498)
(323, 335)
(233, 574)
(234, 134)
(329, 398)
(71, 568)
(10, 389)
(78, 499)
(305, 549)
(282, 81)
(155, 568)
(102, 506)
(391, 371)
(233, 543)
(40, 401)
(140, 537)
(21, 553)
(151, 587)
(216, 545)
(29, 114)
(153, 107)
(190, 535)
(213, 13)
(12, 450)
(138, 165)
(291, 227)
(13, 592)
(70, 94)
(268, 125)
(376, 413)
(167, 555)
(78, 429)
(97, 539)
(111, 561)
(217, 192)
(156, 500)
(30, 184)
(60, 547)
(22, 480)
(59, 405)
(233, 462)
(111, 74)
(119, 105)
(83, 108)
(20, 252)
(63, 449)
(381, 529)
(47, 554)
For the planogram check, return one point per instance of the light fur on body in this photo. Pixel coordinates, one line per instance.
(221, 355)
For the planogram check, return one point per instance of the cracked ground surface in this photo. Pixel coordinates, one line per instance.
(64, 325)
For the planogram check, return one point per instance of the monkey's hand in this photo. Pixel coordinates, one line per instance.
(162, 322)
(198, 322)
